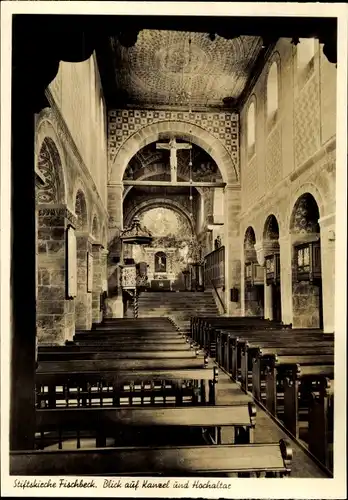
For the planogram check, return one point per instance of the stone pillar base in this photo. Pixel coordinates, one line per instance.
(55, 314)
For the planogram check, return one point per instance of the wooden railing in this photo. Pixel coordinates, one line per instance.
(214, 270)
(221, 304)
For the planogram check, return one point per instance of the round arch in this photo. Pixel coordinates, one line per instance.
(95, 227)
(47, 141)
(249, 245)
(158, 202)
(251, 115)
(187, 131)
(305, 215)
(271, 228)
(81, 210)
(309, 188)
(249, 236)
(104, 238)
(274, 64)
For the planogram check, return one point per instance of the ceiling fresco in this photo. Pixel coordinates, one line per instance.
(177, 67)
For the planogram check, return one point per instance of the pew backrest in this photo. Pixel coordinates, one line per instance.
(101, 365)
(268, 458)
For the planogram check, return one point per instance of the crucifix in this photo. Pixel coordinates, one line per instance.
(173, 146)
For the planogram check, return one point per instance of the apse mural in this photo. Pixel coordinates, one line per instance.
(164, 223)
(169, 253)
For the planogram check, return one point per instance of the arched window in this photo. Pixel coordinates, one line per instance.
(92, 87)
(102, 124)
(251, 129)
(272, 92)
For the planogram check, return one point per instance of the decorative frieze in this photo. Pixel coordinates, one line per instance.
(57, 212)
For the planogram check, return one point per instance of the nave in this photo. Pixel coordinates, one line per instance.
(132, 397)
(176, 311)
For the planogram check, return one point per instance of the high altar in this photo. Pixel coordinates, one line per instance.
(161, 271)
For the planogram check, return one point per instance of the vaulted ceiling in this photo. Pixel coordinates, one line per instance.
(178, 68)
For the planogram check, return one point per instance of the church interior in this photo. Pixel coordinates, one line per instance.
(178, 180)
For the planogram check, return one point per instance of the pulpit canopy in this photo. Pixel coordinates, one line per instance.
(135, 234)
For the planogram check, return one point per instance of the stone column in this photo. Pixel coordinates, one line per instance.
(327, 252)
(104, 277)
(83, 301)
(286, 277)
(55, 313)
(97, 282)
(114, 303)
(104, 268)
(242, 281)
(268, 300)
(232, 248)
(260, 249)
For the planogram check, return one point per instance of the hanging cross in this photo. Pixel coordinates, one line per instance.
(173, 146)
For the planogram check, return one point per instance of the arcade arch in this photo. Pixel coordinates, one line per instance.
(186, 131)
(306, 263)
(273, 309)
(253, 277)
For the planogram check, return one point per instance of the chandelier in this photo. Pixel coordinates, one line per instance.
(135, 234)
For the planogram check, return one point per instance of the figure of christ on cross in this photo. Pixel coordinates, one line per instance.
(173, 146)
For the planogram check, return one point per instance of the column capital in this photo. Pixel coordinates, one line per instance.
(57, 210)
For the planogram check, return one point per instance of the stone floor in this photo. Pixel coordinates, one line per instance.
(267, 430)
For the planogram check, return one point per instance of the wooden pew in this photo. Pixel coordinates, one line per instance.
(132, 329)
(118, 347)
(244, 347)
(101, 365)
(277, 369)
(210, 334)
(115, 388)
(261, 357)
(304, 379)
(127, 335)
(127, 340)
(248, 349)
(203, 330)
(273, 460)
(66, 355)
(233, 347)
(320, 422)
(106, 422)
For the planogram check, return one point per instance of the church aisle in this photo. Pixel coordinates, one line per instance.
(266, 429)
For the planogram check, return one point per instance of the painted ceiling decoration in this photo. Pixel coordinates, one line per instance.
(153, 164)
(165, 68)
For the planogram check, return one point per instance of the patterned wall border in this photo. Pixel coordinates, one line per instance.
(224, 126)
